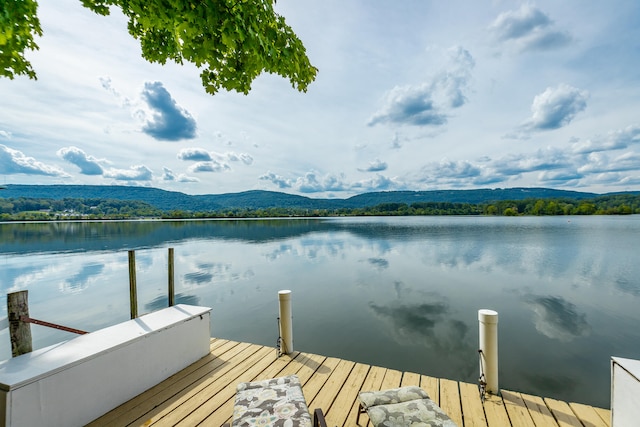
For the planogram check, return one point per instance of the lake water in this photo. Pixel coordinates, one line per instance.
(402, 293)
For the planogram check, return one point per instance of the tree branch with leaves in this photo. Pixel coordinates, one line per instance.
(231, 41)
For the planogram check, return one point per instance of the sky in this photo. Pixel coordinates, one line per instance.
(410, 95)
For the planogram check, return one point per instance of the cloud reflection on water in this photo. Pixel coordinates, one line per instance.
(80, 280)
(162, 301)
(379, 263)
(428, 323)
(557, 318)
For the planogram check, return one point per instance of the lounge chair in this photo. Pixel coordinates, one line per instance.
(402, 406)
(273, 402)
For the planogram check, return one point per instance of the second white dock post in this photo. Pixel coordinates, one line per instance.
(286, 322)
(488, 320)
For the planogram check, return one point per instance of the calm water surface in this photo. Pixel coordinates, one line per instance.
(396, 292)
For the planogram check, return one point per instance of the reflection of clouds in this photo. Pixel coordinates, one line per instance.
(409, 320)
(628, 286)
(198, 277)
(279, 252)
(32, 275)
(162, 301)
(315, 249)
(209, 272)
(398, 286)
(379, 263)
(558, 318)
(81, 279)
(201, 273)
(426, 323)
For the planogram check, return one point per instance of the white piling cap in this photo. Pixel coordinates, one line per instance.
(284, 294)
(488, 316)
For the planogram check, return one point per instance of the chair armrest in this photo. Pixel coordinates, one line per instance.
(318, 418)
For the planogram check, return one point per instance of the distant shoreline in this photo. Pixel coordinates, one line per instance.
(80, 202)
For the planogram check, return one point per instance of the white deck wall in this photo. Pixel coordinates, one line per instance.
(74, 382)
(625, 392)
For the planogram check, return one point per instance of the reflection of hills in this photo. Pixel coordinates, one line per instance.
(38, 237)
(27, 238)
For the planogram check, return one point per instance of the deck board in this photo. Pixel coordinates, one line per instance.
(348, 396)
(450, 399)
(431, 386)
(587, 415)
(496, 412)
(539, 411)
(373, 381)
(517, 410)
(203, 393)
(563, 413)
(472, 406)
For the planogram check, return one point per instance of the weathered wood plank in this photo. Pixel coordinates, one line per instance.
(562, 413)
(410, 379)
(431, 386)
(182, 404)
(450, 400)
(605, 415)
(316, 381)
(310, 364)
(518, 413)
(472, 409)
(372, 382)
(587, 415)
(218, 392)
(495, 411)
(327, 394)
(392, 379)
(538, 410)
(348, 396)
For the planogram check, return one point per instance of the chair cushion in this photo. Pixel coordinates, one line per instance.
(394, 395)
(274, 402)
(405, 406)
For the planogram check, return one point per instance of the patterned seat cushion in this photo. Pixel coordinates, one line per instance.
(273, 403)
(405, 406)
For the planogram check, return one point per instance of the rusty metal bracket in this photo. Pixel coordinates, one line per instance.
(51, 325)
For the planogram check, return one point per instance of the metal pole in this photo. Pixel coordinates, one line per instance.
(488, 321)
(286, 321)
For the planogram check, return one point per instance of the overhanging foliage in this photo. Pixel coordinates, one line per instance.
(230, 41)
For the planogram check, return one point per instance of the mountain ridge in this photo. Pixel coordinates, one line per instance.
(263, 199)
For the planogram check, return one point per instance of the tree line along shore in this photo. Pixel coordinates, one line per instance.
(40, 209)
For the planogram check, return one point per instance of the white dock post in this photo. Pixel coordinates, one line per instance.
(488, 320)
(286, 322)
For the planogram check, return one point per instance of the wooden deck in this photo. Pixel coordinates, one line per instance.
(203, 393)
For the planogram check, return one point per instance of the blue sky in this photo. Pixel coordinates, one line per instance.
(411, 95)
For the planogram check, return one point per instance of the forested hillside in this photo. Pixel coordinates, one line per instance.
(61, 202)
(258, 199)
